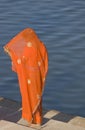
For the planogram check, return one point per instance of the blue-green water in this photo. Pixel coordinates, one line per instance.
(60, 24)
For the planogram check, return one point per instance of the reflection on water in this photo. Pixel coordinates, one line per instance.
(61, 26)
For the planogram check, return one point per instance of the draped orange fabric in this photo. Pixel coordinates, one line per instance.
(30, 61)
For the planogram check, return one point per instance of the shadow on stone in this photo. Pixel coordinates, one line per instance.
(10, 104)
(63, 117)
(15, 117)
(45, 120)
(9, 110)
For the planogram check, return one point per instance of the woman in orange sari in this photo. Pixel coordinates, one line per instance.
(30, 62)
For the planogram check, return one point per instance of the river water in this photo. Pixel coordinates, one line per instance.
(60, 24)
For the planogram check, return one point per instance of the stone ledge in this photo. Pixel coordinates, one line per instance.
(10, 113)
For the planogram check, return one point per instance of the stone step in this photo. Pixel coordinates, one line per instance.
(51, 125)
(10, 118)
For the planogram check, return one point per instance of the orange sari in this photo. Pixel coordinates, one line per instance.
(30, 62)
